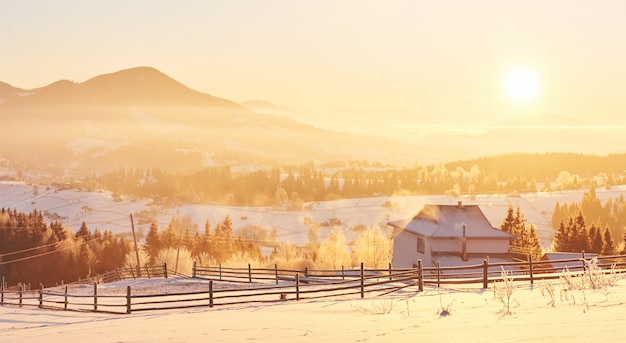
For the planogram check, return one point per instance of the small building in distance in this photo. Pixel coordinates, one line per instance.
(556, 262)
(454, 235)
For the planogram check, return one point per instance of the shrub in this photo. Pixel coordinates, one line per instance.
(178, 261)
(503, 290)
(593, 278)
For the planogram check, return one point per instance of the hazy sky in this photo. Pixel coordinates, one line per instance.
(447, 58)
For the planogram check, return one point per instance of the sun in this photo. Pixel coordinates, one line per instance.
(521, 85)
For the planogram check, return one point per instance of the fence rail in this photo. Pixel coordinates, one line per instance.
(263, 285)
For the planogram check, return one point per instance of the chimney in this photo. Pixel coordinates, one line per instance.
(464, 245)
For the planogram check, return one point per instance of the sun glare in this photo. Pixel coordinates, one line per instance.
(521, 85)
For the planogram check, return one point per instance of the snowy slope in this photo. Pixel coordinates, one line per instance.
(100, 210)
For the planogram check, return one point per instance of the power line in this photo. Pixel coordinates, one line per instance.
(42, 254)
(27, 250)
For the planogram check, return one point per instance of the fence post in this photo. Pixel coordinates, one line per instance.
(297, 286)
(2, 292)
(249, 273)
(485, 273)
(582, 254)
(276, 272)
(220, 271)
(147, 270)
(193, 271)
(389, 271)
(306, 271)
(21, 291)
(165, 269)
(210, 293)
(438, 274)
(65, 299)
(40, 296)
(420, 276)
(95, 296)
(530, 268)
(362, 281)
(343, 273)
(127, 299)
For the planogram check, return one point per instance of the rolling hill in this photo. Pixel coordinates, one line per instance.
(142, 118)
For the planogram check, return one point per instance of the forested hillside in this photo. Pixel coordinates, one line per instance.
(33, 251)
(295, 185)
(545, 165)
(590, 225)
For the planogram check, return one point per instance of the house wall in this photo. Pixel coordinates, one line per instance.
(473, 246)
(446, 245)
(405, 253)
(487, 246)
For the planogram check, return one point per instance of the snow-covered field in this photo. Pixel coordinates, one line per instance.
(474, 316)
(99, 210)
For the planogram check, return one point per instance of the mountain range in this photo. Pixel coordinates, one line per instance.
(142, 118)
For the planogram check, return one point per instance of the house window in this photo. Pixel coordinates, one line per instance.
(420, 245)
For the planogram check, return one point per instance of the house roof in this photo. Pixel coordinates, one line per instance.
(447, 221)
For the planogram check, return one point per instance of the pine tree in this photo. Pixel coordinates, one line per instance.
(595, 234)
(169, 238)
(83, 233)
(608, 248)
(533, 244)
(562, 237)
(152, 244)
(580, 236)
(526, 239)
(203, 245)
(508, 222)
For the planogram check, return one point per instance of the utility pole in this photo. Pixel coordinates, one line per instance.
(180, 243)
(132, 225)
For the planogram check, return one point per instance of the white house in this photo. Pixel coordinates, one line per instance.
(451, 234)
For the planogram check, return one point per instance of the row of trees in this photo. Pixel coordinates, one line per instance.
(575, 236)
(305, 183)
(181, 243)
(611, 214)
(212, 246)
(33, 251)
(589, 225)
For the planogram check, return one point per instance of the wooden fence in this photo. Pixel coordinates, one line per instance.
(229, 286)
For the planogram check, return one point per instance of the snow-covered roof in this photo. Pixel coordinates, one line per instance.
(447, 221)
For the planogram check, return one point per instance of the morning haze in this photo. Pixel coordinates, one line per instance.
(363, 139)
(415, 71)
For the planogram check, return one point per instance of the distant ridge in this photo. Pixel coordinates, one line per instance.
(7, 91)
(142, 118)
(134, 86)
